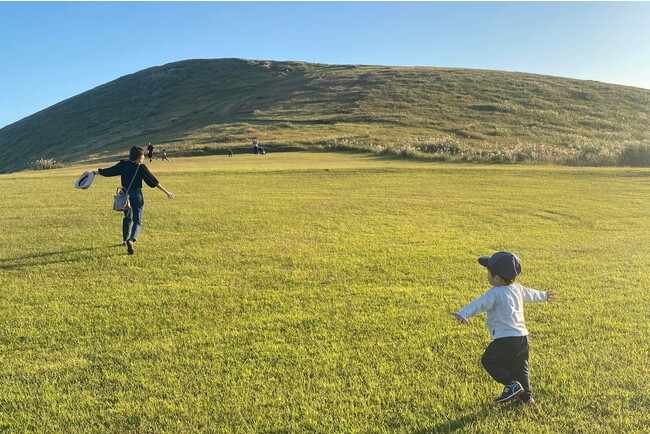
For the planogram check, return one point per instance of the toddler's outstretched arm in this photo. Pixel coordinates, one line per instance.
(459, 318)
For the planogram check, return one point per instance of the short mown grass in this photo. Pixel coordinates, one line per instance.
(311, 292)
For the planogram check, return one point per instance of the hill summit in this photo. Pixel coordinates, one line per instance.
(444, 113)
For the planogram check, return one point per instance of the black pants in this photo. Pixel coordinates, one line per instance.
(506, 360)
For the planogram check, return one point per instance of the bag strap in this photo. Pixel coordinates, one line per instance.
(135, 173)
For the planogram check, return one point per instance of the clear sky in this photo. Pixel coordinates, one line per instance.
(52, 51)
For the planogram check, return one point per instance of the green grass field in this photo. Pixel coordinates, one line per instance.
(311, 292)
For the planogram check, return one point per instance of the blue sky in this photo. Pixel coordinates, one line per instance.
(52, 51)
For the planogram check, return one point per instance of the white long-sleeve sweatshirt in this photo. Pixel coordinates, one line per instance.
(505, 309)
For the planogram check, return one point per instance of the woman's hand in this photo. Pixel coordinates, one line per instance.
(550, 295)
(169, 194)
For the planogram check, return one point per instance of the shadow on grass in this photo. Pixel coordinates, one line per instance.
(463, 422)
(47, 258)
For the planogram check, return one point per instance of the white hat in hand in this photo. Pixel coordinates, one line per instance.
(85, 180)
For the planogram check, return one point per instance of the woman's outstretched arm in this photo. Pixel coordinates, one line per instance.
(168, 193)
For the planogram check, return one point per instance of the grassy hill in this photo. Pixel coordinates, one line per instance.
(440, 113)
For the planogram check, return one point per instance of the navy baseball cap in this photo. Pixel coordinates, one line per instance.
(504, 264)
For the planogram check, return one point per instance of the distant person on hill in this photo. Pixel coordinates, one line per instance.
(150, 149)
(133, 172)
(506, 358)
(255, 145)
(229, 153)
(164, 155)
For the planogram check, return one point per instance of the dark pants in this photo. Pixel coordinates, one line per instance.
(506, 360)
(132, 221)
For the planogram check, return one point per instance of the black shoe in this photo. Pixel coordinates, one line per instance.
(129, 248)
(510, 392)
(528, 403)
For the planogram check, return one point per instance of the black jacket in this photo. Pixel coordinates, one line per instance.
(126, 168)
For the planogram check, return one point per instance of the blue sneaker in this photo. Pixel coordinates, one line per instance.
(510, 392)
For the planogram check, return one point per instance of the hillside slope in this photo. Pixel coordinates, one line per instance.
(217, 103)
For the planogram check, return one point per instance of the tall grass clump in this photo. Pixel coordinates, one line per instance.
(593, 156)
(452, 149)
(636, 155)
(45, 164)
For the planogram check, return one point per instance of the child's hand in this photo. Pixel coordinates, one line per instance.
(459, 318)
(550, 295)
